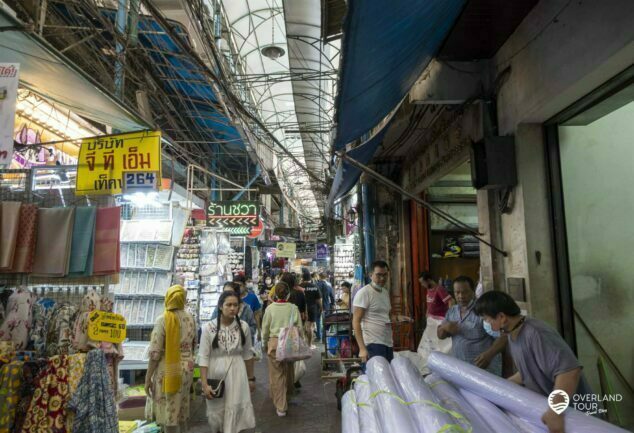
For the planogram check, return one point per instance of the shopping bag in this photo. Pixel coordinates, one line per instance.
(291, 345)
(431, 343)
(257, 350)
(300, 370)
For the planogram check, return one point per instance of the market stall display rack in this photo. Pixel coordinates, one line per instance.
(345, 260)
(188, 267)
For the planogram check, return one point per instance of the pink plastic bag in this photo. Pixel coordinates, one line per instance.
(291, 345)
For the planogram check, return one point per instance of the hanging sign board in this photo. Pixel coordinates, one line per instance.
(323, 252)
(103, 326)
(233, 214)
(8, 98)
(286, 249)
(256, 231)
(287, 232)
(109, 162)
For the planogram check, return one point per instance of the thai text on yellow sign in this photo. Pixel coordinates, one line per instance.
(103, 326)
(103, 161)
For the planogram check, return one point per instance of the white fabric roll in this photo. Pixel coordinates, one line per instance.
(427, 412)
(497, 420)
(368, 422)
(451, 399)
(525, 426)
(349, 413)
(393, 415)
(514, 398)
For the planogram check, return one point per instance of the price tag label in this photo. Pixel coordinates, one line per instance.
(103, 326)
(140, 182)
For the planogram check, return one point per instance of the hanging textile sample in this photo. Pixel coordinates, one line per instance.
(54, 235)
(25, 244)
(18, 321)
(93, 402)
(10, 381)
(106, 250)
(81, 253)
(10, 217)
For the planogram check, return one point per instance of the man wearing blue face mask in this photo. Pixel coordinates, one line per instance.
(472, 341)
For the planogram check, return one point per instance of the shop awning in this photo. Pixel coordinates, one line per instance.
(386, 46)
(346, 175)
(45, 71)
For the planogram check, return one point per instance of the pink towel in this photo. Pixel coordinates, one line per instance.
(9, 233)
(106, 251)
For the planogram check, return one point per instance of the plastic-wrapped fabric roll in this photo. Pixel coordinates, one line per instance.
(393, 413)
(368, 422)
(349, 413)
(524, 426)
(516, 399)
(429, 415)
(496, 419)
(451, 399)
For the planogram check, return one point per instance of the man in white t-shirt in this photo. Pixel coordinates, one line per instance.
(371, 315)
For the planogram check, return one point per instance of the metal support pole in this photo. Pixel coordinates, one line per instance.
(387, 182)
(246, 187)
(368, 223)
(119, 66)
(214, 168)
(133, 23)
(282, 212)
(361, 228)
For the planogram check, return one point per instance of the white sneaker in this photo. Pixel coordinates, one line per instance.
(313, 347)
(280, 414)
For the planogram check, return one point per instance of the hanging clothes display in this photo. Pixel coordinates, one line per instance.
(26, 238)
(93, 402)
(18, 320)
(10, 381)
(60, 329)
(54, 235)
(106, 250)
(42, 311)
(30, 374)
(10, 214)
(81, 255)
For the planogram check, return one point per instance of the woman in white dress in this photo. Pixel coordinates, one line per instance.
(225, 354)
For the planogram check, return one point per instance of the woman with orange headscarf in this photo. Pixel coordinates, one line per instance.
(171, 366)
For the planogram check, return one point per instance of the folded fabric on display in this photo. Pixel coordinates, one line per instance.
(54, 235)
(25, 244)
(81, 253)
(509, 396)
(349, 413)
(10, 217)
(106, 250)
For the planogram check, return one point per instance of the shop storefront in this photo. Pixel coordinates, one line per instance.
(590, 153)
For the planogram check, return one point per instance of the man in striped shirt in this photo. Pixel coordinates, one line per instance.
(470, 341)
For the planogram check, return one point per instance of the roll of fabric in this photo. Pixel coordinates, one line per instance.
(10, 221)
(524, 426)
(25, 242)
(509, 396)
(81, 252)
(451, 399)
(106, 249)
(368, 421)
(54, 235)
(496, 419)
(429, 415)
(392, 410)
(349, 413)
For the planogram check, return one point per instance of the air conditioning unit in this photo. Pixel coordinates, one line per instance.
(493, 163)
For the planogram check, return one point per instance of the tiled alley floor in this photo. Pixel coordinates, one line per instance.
(312, 410)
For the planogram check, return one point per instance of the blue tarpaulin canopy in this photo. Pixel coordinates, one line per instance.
(386, 46)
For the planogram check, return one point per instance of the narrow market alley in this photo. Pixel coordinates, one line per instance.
(312, 410)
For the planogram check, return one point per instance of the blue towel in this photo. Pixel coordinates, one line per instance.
(82, 246)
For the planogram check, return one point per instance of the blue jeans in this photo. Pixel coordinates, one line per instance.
(318, 326)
